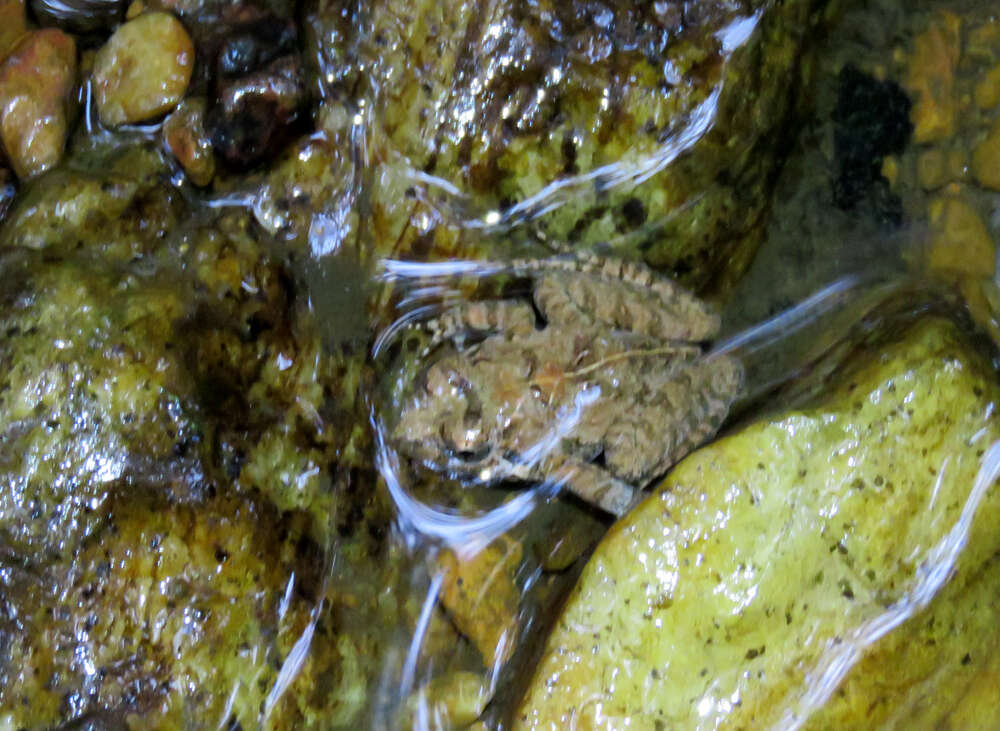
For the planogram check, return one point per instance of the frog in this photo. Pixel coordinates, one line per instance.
(597, 379)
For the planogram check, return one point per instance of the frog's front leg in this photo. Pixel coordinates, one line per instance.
(593, 485)
(512, 317)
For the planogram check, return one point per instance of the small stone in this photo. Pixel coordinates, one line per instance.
(988, 89)
(958, 163)
(931, 79)
(890, 170)
(36, 83)
(961, 243)
(256, 114)
(932, 170)
(184, 133)
(13, 24)
(143, 70)
(986, 159)
(481, 596)
(92, 19)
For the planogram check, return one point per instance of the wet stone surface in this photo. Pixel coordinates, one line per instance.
(143, 70)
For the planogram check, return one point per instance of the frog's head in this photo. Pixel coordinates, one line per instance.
(442, 421)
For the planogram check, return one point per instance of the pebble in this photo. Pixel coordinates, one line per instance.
(255, 115)
(185, 135)
(961, 243)
(987, 91)
(37, 80)
(13, 24)
(932, 168)
(88, 18)
(143, 70)
(931, 80)
(481, 596)
(986, 159)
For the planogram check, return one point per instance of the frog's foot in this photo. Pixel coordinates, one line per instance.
(622, 294)
(481, 319)
(596, 486)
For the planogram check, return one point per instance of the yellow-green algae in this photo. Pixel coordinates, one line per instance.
(710, 604)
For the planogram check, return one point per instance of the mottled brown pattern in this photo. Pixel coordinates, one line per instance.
(611, 391)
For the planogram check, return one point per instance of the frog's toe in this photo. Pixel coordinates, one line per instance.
(598, 487)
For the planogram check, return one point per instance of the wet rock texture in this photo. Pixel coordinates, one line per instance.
(562, 118)
(36, 83)
(176, 456)
(258, 85)
(143, 70)
(762, 556)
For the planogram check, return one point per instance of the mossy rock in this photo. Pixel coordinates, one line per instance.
(765, 556)
(649, 127)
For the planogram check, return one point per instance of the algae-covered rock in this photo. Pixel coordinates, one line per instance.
(769, 557)
(656, 125)
(115, 205)
(176, 615)
(90, 398)
(146, 349)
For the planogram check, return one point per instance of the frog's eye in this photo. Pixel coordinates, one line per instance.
(470, 456)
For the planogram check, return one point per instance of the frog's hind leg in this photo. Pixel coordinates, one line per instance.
(624, 295)
(480, 319)
(681, 415)
(595, 486)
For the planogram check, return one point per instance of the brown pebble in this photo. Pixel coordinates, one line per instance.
(36, 84)
(185, 135)
(143, 70)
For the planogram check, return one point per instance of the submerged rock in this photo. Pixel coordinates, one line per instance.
(656, 127)
(167, 602)
(143, 70)
(768, 558)
(37, 80)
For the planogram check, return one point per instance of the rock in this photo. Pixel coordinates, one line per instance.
(37, 80)
(255, 115)
(763, 554)
(932, 168)
(185, 135)
(119, 212)
(143, 70)
(566, 117)
(987, 92)
(453, 700)
(961, 244)
(80, 17)
(173, 598)
(931, 79)
(481, 596)
(250, 43)
(13, 24)
(986, 159)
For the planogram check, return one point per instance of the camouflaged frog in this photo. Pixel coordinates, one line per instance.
(599, 383)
